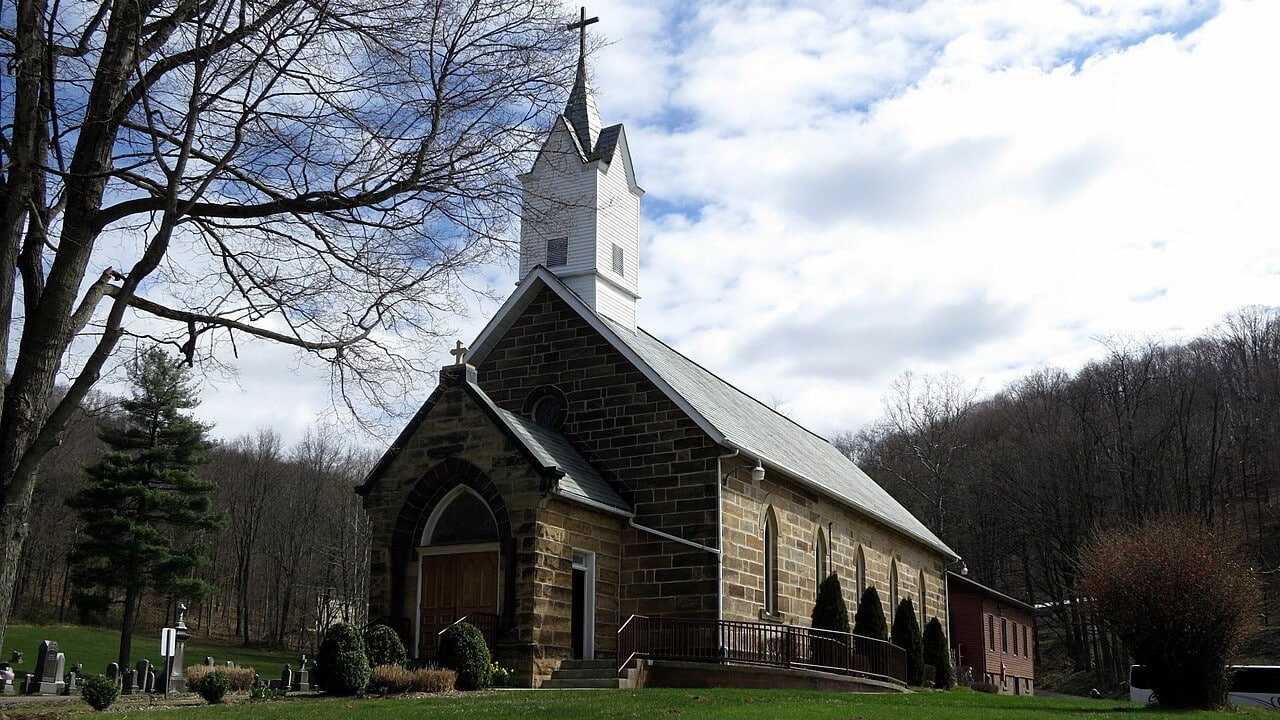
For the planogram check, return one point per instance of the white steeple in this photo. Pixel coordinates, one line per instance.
(580, 215)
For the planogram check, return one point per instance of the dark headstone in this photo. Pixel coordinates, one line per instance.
(45, 679)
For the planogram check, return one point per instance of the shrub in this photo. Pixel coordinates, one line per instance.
(212, 686)
(829, 610)
(396, 678)
(869, 620)
(383, 646)
(498, 675)
(99, 691)
(463, 649)
(240, 678)
(1175, 592)
(938, 655)
(906, 635)
(342, 667)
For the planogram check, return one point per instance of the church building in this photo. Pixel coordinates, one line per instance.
(572, 470)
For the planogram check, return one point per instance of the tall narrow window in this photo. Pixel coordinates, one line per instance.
(617, 259)
(861, 572)
(893, 590)
(923, 614)
(1026, 645)
(557, 252)
(770, 563)
(1004, 636)
(991, 632)
(820, 559)
(1015, 638)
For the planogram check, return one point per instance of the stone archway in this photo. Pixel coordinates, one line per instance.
(458, 567)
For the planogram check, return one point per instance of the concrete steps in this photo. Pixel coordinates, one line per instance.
(584, 674)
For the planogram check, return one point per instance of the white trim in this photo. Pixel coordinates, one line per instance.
(654, 531)
(588, 565)
(594, 504)
(458, 549)
(444, 503)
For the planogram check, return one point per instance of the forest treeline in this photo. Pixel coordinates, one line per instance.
(292, 559)
(1019, 482)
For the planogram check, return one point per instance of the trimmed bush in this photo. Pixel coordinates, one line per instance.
(463, 649)
(1177, 594)
(212, 686)
(383, 646)
(829, 610)
(342, 667)
(906, 635)
(938, 655)
(869, 620)
(99, 691)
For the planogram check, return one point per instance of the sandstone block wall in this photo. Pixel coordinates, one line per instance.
(800, 514)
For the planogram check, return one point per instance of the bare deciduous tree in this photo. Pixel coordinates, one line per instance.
(317, 174)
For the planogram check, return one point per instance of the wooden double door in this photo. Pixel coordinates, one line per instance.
(454, 585)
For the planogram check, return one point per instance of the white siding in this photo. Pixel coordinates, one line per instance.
(595, 205)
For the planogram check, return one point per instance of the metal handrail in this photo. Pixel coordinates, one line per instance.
(486, 623)
(755, 643)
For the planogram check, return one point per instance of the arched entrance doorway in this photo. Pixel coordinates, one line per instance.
(457, 565)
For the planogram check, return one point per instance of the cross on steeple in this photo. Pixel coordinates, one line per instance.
(581, 27)
(459, 353)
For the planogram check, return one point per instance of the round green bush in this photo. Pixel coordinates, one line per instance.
(213, 686)
(463, 650)
(342, 667)
(99, 691)
(383, 647)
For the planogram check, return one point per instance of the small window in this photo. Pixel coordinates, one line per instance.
(557, 252)
(991, 632)
(1015, 638)
(1004, 636)
(1026, 646)
(617, 259)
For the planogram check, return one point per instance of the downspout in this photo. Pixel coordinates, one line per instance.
(720, 531)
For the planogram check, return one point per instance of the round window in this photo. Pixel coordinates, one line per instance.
(547, 407)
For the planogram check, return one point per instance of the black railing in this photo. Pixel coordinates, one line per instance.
(486, 623)
(752, 643)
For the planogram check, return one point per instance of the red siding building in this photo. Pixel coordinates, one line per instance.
(992, 637)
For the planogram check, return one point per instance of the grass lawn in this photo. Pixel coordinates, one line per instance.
(623, 704)
(97, 647)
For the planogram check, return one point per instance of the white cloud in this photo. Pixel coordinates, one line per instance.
(838, 192)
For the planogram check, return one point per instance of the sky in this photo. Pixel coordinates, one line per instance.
(839, 192)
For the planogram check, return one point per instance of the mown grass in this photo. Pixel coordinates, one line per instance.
(683, 704)
(97, 647)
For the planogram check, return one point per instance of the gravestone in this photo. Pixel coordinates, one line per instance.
(45, 679)
(140, 673)
(286, 677)
(113, 673)
(128, 682)
(151, 680)
(59, 672)
(173, 677)
(300, 682)
(72, 684)
(208, 661)
(6, 678)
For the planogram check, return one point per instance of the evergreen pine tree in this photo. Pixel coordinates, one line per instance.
(938, 655)
(869, 620)
(829, 610)
(144, 509)
(906, 635)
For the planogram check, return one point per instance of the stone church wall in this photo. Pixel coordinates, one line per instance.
(661, 463)
(800, 513)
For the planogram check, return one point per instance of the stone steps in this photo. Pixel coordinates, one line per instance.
(584, 674)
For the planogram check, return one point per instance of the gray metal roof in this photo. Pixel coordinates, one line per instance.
(761, 432)
(579, 481)
(728, 415)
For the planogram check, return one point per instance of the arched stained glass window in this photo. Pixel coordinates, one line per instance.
(893, 590)
(820, 559)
